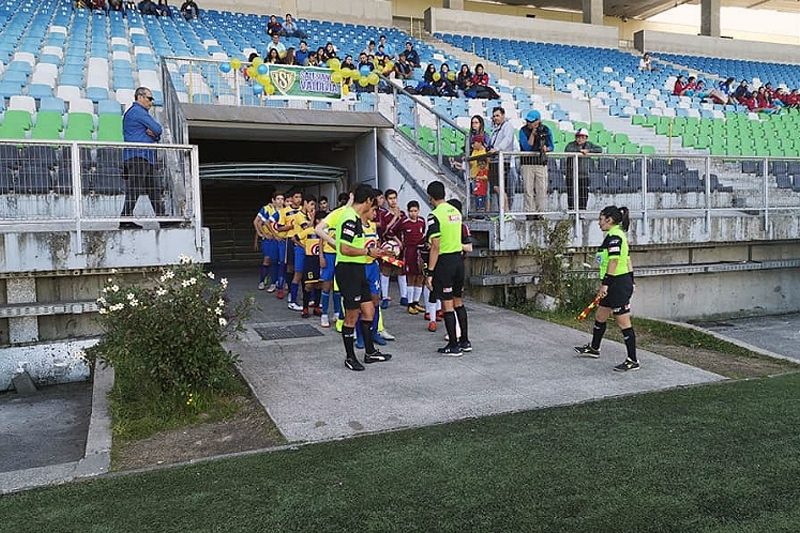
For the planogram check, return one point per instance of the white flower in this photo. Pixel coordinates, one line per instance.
(184, 259)
(134, 302)
(223, 282)
(185, 284)
(218, 311)
(223, 322)
(110, 280)
(105, 290)
(102, 311)
(169, 274)
(210, 275)
(130, 296)
(115, 288)
(161, 292)
(192, 281)
(221, 302)
(117, 307)
(113, 270)
(101, 301)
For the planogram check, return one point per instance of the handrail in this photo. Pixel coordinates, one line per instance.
(433, 111)
(173, 112)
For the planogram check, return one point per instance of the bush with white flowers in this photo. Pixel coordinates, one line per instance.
(167, 335)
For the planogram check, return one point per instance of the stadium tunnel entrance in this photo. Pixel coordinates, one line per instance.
(247, 153)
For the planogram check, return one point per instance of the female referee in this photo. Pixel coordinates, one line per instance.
(616, 286)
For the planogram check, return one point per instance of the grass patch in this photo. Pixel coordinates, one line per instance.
(717, 458)
(681, 344)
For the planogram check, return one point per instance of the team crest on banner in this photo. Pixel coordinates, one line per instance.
(283, 80)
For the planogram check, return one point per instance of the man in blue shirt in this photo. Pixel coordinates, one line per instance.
(536, 138)
(139, 163)
(411, 55)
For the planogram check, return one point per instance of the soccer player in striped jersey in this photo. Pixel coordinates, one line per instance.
(266, 241)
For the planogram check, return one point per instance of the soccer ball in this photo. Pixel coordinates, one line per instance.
(391, 246)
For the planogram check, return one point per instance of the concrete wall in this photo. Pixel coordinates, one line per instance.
(375, 12)
(657, 41)
(513, 27)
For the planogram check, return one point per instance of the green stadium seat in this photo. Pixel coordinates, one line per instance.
(110, 128)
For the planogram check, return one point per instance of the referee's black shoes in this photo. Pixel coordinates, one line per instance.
(376, 357)
(451, 350)
(626, 366)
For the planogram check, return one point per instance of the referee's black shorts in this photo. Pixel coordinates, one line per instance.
(619, 295)
(351, 278)
(448, 277)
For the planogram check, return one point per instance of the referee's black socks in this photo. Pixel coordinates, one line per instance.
(349, 337)
(461, 314)
(598, 331)
(450, 325)
(630, 343)
(366, 333)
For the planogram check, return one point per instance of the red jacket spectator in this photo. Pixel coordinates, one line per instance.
(679, 87)
(480, 79)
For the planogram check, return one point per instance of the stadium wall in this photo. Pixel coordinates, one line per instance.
(656, 41)
(511, 27)
(377, 12)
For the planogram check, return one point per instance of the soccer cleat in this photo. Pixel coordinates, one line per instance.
(412, 310)
(385, 303)
(587, 351)
(388, 336)
(404, 302)
(304, 314)
(377, 357)
(627, 365)
(262, 285)
(466, 346)
(378, 339)
(353, 364)
(420, 307)
(294, 307)
(271, 288)
(451, 350)
(280, 294)
(317, 311)
(432, 327)
(339, 324)
(324, 322)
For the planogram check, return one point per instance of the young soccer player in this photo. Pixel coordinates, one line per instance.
(388, 218)
(373, 272)
(265, 241)
(276, 217)
(311, 254)
(294, 252)
(411, 231)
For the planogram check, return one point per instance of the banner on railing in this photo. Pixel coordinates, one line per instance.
(306, 83)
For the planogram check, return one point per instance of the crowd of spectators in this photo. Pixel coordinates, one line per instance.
(188, 10)
(761, 99)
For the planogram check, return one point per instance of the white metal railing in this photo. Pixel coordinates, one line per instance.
(67, 185)
(649, 185)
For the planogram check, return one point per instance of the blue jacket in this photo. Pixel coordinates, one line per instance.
(135, 123)
(545, 137)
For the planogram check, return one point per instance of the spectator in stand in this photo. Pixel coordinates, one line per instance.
(322, 57)
(700, 90)
(536, 138)
(381, 54)
(502, 141)
(250, 59)
(189, 10)
(290, 58)
(276, 44)
(583, 147)
(370, 49)
(779, 97)
(163, 9)
(480, 85)
(291, 29)
(364, 65)
(688, 90)
(348, 63)
(403, 69)
(679, 87)
(312, 60)
(301, 55)
(479, 175)
(387, 48)
(723, 94)
(330, 51)
(147, 7)
(480, 144)
(741, 91)
(646, 63)
(445, 86)
(273, 58)
(427, 86)
(273, 26)
(464, 79)
(115, 5)
(763, 102)
(794, 99)
(411, 55)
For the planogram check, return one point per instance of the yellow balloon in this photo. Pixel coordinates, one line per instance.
(269, 89)
(345, 90)
(373, 79)
(263, 79)
(437, 76)
(336, 77)
(251, 71)
(236, 63)
(334, 64)
(451, 76)
(257, 61)
(363, 82)
(355, 75)
(389, 65)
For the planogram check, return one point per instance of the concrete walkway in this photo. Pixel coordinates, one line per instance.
(777, 334)
(518, 363)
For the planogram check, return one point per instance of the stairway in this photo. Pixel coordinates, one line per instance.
(228, 213)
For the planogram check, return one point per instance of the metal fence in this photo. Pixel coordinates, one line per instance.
(522, 184)
(46, 184)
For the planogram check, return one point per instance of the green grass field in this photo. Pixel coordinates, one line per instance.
(723, 457)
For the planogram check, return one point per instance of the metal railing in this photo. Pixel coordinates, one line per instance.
(76, 185)
(522, 184)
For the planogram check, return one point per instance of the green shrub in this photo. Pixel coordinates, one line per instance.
(163, 338)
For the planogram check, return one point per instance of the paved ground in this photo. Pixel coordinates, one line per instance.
(48, 428)
(518, 363)
(779, 334)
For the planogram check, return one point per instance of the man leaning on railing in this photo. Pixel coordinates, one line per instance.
(140, 163)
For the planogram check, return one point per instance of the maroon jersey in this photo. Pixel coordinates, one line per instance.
(411, 232)
(387, 228)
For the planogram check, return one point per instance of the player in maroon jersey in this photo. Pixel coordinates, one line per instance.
(411, 232)
(389, 216)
